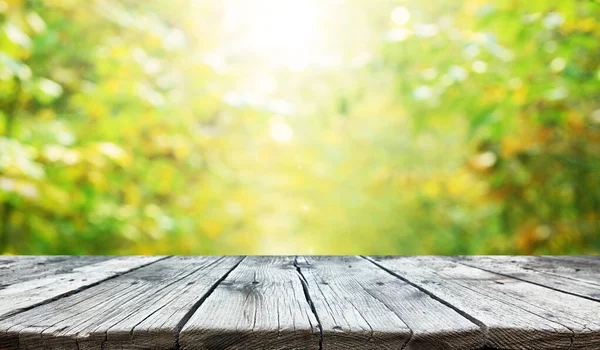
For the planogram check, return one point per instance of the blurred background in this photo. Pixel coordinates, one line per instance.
(299, 127)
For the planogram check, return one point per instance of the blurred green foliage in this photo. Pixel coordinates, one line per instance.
(150, 127)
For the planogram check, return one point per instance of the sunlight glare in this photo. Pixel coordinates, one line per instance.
(400, 16)
(283, 32)
(281, 132)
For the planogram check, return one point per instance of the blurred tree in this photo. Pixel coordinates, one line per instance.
(524, 76)
(92, 160)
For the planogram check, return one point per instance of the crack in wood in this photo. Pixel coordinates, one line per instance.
(309, 301)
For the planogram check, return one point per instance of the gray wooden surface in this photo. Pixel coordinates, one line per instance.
(304, 302)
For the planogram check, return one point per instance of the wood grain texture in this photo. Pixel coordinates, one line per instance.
(580, 278)
(517, 314)
(360, 306)
(576, 258)
(579, 268)
(325, 303)
(138, 310)
(30, 292)
(17, 269)
(261, 305)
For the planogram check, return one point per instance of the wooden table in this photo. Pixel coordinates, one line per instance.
(413, 303)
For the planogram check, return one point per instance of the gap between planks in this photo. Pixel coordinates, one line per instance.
(575, 316)
(480, 324)
(67, 293)
(197, 305)
(546, 280)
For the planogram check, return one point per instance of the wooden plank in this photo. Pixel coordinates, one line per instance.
(138, 310)
(574, 277)
(23, 295)
(581, 268)
(576, 258)
(517, 314)
(261, 305)
(17, 269)
(573, 267)
(361, 306)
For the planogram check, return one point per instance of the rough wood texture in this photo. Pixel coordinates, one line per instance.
(580, 278)
(32, 291)
(361, 306)
(20, 269)
(516, 314)
(137, 310)
(261, 305)
(288, 303)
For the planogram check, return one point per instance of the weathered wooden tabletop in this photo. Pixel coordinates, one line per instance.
(417, 303)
